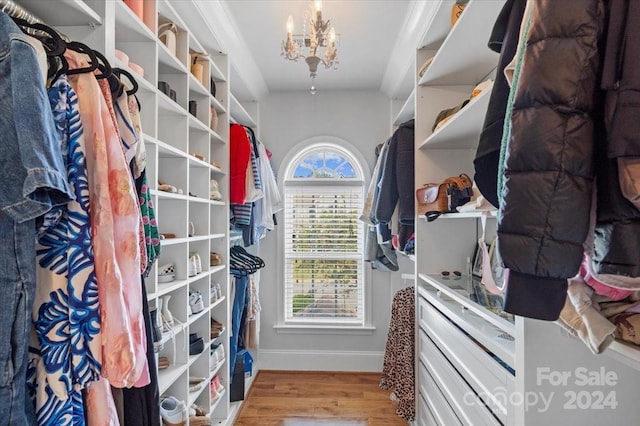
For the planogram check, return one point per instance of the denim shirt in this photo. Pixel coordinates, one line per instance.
(33, 179)
(32, 173)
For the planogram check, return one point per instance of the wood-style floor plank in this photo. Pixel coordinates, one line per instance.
(286, 398)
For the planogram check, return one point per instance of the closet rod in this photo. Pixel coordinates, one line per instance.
(15, 10)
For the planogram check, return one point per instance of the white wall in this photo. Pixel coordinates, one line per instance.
(286, 119)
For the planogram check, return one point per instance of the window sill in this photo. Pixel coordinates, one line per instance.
(324, 329)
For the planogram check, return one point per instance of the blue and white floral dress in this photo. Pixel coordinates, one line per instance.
(65, 349)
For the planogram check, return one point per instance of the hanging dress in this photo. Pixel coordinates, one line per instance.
(66, 352)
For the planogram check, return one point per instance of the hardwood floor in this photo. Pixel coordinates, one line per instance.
(285, 398)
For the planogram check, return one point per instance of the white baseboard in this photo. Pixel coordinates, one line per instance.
(297, 360)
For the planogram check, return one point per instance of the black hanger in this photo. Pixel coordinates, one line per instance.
(119, 72)
(105, 66)
(55, 45)
(76, 46)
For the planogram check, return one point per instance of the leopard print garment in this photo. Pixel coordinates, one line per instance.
(399, 356)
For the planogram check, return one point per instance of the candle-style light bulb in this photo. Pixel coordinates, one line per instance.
(318, 5)
(332, 35)
(290, 24)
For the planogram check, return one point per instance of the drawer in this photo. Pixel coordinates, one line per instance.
(424, 418)
(483, 373)
(439, 411)
(461, 397)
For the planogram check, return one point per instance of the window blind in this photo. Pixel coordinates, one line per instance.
(323, 254)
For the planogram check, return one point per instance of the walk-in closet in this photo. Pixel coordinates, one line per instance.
(338, 212)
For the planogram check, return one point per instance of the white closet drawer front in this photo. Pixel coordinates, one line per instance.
(425, 417)
(439, 411)
(462, 398)
(486, 376)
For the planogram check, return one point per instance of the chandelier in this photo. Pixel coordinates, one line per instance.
(317, 36)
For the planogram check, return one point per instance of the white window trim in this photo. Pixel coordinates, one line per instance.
(281, 326)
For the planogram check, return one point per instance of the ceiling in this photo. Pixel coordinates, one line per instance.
(377, 42)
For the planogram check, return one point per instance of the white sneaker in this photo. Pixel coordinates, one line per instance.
(166, 273)
(218, 291)
(214, 191)
(193, 265)
(198, 263)
(173, 412)
(195, 302)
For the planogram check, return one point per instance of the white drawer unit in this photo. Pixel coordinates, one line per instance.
(487, 377)
(462, 398)
(439, 411)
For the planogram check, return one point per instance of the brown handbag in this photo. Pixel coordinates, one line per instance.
(437, 198)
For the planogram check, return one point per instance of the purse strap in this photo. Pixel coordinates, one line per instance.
(488, 280)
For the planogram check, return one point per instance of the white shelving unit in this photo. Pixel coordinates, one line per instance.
(407, 111)
(473, 361)
(173, 136)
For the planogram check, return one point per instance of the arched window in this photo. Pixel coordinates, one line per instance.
(323, 238)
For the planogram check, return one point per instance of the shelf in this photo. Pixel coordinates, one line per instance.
(239, 114)
(195, 317)
(217, 105)
(169, 195)
(193, 396)
(168, 376)
(129, 28)
(216, 402)
(196, 86)
(217, 302)
(168, 151)
(216, 73)
(66, 13)
(217, 203)
(463, 130)
(216, 236)
(173, 241)
(164, 288)
(168, 105)
(464, 58)
(408, 110)
(625, 353)
(487, 334)
(215, 137)
(198, 238)
(466, 215)
(217, 171)
(200, 163)
(439, 25)
(168, 63)
(196, 124)
(411, 257)
(458, 291)
(144, 85)
(216, 268)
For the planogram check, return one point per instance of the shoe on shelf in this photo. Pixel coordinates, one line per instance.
(195, 384)
(195, 302)
(163, 362)
(214, 191)
(166, 273)
(214, 294)
(199, 421)
(216, 328)
(193, 266)
(214, 259)
(198, 263)
(218, 291)
(173, 412)
(196, 344)
(196, 410)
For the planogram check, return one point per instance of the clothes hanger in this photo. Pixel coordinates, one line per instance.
(105, 66)
(76, 46)
(55, 45)
(119, 72)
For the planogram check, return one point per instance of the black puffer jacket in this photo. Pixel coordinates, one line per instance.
(549, 168)
(617, 237)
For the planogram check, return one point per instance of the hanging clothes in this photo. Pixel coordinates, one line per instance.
(34, 181)
(399, 356)
(66, 355)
